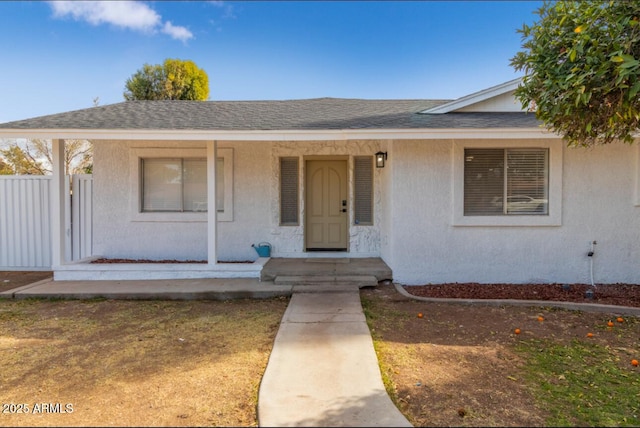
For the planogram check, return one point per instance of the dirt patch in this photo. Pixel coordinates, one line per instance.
(456, 364)
(14, 279)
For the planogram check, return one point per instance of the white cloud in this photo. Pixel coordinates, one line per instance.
(132, 15)
(180, 33)
(126, 14)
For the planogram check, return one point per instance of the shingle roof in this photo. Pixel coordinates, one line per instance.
(306, 114)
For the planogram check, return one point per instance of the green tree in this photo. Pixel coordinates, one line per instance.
(173, 80)
(34, 157)
(581, 64)
(20, 162)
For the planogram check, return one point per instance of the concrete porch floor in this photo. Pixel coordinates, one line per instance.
(326, 267)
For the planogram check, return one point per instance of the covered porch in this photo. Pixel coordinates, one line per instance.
(361, 271)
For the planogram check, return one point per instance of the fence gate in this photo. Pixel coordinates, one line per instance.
(25, 221)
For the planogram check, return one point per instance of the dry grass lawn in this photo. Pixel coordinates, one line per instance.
(200, 363)
(134, 363)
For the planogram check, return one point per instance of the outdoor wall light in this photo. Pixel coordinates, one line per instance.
(380, 158)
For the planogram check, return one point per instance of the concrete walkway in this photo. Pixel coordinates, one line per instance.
(323, 370)
(163, 289)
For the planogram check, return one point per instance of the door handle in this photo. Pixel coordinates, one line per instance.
(344, 210)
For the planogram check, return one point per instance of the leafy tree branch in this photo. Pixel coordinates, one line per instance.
(582, 70)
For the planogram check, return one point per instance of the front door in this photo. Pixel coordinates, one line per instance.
(326, 218)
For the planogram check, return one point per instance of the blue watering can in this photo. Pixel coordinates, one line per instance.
(263, 249)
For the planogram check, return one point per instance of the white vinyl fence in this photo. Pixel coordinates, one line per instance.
(25, 221)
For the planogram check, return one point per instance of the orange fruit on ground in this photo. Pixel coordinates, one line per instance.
(620, 319)
(420, 315)
(540, 318)
(610, 324)
(516, 331)
(589, 334)
(634, 363)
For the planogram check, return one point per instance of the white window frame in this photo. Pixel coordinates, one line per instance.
(137, 154)
(554, 218)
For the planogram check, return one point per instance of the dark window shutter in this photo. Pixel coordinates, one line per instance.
(289, 191)
(363, 190)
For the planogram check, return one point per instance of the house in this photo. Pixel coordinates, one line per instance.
(465, 190)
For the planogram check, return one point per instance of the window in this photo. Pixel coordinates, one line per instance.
(506, 182)
(534, 169)
(363, 190)
(170, 184)
(289, 191)
(174, 185)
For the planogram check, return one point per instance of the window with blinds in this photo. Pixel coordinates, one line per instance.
(289, 191)
(179, 185)
(506, 182)
(363, 190)
(174, 185)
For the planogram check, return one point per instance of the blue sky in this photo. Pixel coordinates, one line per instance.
(60, 56)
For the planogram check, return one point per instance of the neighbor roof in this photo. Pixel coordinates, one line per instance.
(306, 114)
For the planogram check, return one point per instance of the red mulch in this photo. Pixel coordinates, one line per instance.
(105, 260)
(607, 294)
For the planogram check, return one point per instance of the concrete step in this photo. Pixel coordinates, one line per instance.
(327, 280)
(281, 266)
(325, 288)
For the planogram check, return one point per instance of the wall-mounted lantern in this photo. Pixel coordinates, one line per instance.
(380, 158)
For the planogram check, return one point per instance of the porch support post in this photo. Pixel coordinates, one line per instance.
(212, 212)
(57, 204)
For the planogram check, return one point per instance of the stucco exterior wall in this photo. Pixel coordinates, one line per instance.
(120, 233)
(598, 197)
(288, 241)
(416, 229)
(116, 235)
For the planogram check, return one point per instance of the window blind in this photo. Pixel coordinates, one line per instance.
(506, 181)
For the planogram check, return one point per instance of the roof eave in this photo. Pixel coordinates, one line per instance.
(278, 135)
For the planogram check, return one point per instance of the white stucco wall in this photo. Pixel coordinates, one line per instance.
(116, 235)
(385, 187)
(415, 226)
(119, 232)
(599, 202)
(288, 241)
